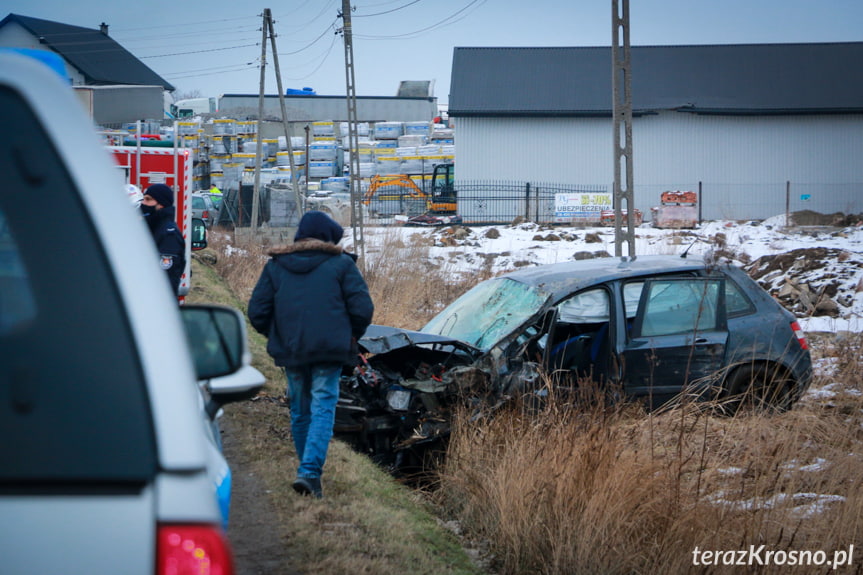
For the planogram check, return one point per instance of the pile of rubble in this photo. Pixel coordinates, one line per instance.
(812, 282)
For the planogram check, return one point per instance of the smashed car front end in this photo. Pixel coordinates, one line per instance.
(396, 404)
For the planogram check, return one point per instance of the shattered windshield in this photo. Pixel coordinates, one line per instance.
(488, 312)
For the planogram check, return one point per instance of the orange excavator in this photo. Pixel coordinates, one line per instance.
(400, 194)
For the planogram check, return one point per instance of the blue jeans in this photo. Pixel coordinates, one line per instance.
(313, 392)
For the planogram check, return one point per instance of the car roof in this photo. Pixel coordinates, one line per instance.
(563, 278)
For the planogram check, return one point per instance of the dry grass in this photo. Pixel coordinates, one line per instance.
(602, 489)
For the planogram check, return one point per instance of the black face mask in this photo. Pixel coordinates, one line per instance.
(148, 210)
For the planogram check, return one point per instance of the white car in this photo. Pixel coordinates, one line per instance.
(110, 459)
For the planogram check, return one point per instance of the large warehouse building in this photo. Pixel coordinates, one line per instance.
(755, 127)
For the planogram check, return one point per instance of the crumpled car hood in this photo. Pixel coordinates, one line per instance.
(382, 339)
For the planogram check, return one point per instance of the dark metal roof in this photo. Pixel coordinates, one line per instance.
(100, 59)
(710, 79)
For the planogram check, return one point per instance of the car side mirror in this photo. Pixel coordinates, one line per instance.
(217, 340)
(199, 234)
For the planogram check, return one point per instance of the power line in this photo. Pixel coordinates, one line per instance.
(199, 51)
(312, 43)
(387, 11)
(187, 24)
(446, 21)
(183, 76)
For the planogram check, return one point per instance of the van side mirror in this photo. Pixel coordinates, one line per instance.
(199, 234)
(217, 340)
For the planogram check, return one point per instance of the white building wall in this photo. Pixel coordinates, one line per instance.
(743, 163)
(15, 36)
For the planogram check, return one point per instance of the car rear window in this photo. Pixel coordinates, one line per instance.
(74, 411)
(198, 203)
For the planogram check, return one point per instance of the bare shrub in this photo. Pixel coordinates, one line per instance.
(240, 264)
(406, 288)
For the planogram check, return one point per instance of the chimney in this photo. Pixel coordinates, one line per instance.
(103, 28)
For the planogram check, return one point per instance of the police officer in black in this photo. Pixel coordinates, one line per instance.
(159, 213)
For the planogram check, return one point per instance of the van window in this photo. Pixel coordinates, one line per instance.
(74, 412)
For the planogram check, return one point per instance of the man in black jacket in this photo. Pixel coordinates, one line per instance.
(313, 304)
(158, 209)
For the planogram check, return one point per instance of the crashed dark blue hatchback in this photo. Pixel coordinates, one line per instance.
(657, 328)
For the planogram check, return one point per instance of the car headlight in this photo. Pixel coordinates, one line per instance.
(399, 399)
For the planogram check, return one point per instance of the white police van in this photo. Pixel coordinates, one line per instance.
(109, 461)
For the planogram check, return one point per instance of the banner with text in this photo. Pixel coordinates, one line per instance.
(580, 206)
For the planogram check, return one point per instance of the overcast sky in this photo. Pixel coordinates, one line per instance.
(214, 47)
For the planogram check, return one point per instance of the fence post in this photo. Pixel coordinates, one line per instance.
(700, 202)
(787, 203)
(527, 201)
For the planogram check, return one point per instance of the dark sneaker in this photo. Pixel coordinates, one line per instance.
(308, 486)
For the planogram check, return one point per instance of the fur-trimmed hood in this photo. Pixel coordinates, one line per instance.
(305, 255)
(309, 244)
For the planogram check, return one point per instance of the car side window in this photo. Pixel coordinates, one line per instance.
(736, 302)
(673, 306)
(17, 306)
(631, 295)
(74, 408)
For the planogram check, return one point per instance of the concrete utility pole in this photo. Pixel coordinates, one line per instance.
(295, 177)
(256, 190)
(621, 85)
(356, 192)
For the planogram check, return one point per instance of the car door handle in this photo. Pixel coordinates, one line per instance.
(701, 341)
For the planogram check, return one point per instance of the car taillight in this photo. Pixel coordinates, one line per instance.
(801, 338)
(192, 549)
(205, 215)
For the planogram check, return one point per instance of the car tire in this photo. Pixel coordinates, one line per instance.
(758, 388)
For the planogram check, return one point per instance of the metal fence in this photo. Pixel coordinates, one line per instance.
(499, 202)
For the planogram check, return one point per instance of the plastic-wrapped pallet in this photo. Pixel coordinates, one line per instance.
(443, 134)
(323, 129)
(233, 171)
(217, 160)
(388, 165)
(411, 165)
(429, 150)
(418, 128)
(407, 151)
(285, 172)
(412, 140)
(386, 145)
(362, 129)
(248, 159)
(187, 128)
(322, 169)
(284, 158)
(224, 127)
(368, 169)
(388, 130)
(323, 150)
(297, 143)
(336, 184)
